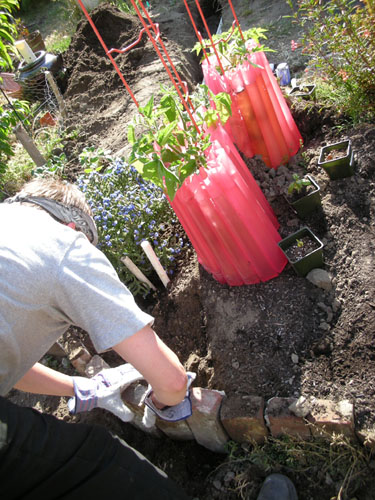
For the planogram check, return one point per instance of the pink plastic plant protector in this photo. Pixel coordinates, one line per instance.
(227, 219)
(266, 126)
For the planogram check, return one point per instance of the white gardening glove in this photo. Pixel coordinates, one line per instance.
(181, 411)
(104, 391)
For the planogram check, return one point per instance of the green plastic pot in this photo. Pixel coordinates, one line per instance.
(311, 260)
(305, 205)
(297, 91)
(338, 168)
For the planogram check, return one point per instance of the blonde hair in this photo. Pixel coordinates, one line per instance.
(58, 190)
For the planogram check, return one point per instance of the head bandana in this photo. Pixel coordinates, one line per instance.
(63, 213)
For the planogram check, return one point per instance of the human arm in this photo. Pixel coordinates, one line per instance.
(157, 363)
(43, 380)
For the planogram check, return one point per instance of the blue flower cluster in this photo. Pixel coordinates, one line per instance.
(128, 210)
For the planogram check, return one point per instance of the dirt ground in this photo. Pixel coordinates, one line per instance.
(285, 337)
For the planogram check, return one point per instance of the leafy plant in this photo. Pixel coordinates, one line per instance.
(298, 184)
(170, 146)
(10, 116)
(340, 41)
(234, 49)
(128, 210)
(92, 158)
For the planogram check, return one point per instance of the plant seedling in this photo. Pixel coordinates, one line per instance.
(298, 184)
(299, 243)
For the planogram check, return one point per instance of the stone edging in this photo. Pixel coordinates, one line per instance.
(218, 418)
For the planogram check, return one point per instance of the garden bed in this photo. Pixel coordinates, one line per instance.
(241, 339)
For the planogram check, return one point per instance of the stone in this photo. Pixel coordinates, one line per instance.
(244, 420)
(295, 358)
(328, 417)
(57, 350)
(205, 421)
(367, 438)
(300, 407)
(80, 359)
(132, 397)
(320, 278)
(95, 365)
(281, 420)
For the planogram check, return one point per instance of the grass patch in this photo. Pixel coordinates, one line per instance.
(331, 467)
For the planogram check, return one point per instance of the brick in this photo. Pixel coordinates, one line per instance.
(330, 417)
(132, 397)
(175, 430)
(205, 421)
(95, 365)
(243, 419)
(57, 350)
(281, 420)
(367, 438)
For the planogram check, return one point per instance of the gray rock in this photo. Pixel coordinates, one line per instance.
(320, 278)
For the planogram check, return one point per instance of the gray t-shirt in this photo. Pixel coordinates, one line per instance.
(52, 277)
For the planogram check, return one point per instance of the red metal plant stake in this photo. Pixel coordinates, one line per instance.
(236, 19)
(208, 32)
(183, 85)
(165, 65)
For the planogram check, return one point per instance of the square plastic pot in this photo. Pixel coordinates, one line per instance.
(303, 265)
(305, 205)
(338, 168)
(304, 91)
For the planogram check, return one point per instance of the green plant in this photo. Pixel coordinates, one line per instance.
(10, 116)
(8, 31)
(57, 44)
(170, 146)
(340, 41)
(128, 210)
(331, 465)
(234, 49)
(92, 158)
(300, 243)
(298, 184)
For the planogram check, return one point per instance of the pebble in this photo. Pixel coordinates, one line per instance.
(229, 476)
(295, 358)
(217, 484)
(235, 365)
(324, 326)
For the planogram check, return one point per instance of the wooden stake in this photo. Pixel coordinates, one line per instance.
(29, 145)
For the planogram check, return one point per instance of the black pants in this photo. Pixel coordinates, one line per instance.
(43, 457)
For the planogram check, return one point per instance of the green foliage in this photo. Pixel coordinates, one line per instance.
(58, 44)
(94, 159)
(232, 48)
(9, 117)
(170, 147)
(340, 41)
(7, 32)
(297, 184)
(127, 211)
(343, 467)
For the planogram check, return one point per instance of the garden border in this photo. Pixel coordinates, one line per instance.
(218, 418)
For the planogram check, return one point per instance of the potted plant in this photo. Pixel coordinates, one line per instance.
(304, 91)
(303, 195)
(337, 159)
(303, 250)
